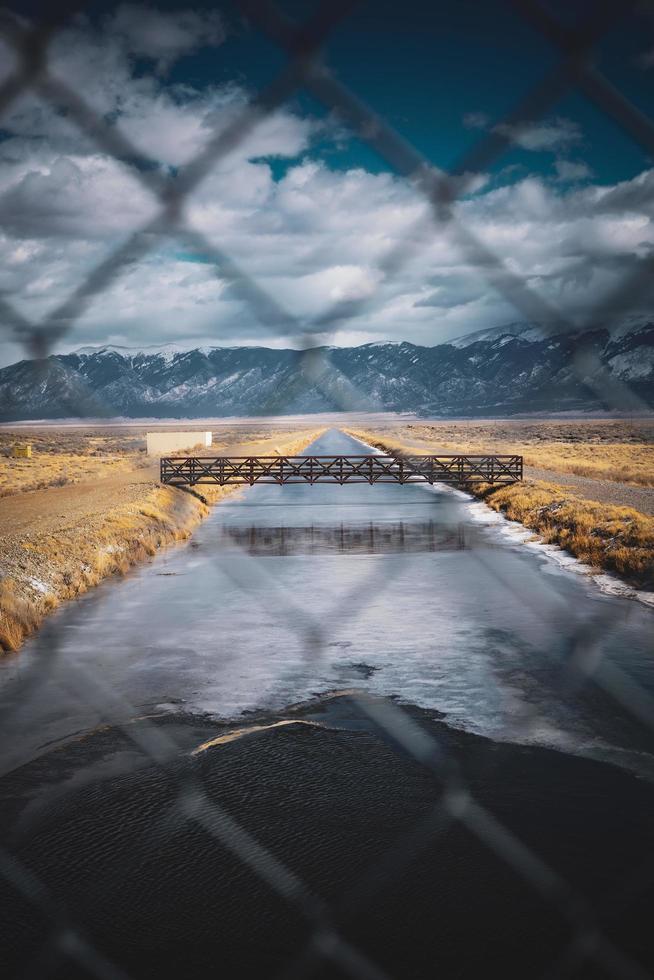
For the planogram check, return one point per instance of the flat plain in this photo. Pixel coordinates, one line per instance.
(88, 503)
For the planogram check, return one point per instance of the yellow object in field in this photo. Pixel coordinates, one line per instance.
(21, 449)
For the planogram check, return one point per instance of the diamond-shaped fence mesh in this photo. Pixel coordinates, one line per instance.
(580, 664)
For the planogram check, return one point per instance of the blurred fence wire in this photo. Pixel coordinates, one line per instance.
(306, 69)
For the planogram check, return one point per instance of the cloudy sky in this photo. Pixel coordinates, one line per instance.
(304, 217)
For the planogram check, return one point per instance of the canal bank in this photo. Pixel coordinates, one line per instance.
(59, 542)
(615, 539)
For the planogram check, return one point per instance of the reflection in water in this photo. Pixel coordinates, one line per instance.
(358, 539)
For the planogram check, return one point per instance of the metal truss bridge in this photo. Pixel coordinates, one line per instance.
(460, 471)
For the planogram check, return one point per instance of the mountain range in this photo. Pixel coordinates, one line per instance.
(502, 371)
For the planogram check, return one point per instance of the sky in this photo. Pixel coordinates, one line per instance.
(305, 216)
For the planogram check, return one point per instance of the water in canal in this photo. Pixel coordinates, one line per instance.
(287, 592)
(522, 670)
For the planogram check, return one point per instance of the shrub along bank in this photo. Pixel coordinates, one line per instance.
(615, 539)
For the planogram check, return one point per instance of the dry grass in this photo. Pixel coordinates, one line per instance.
(621, 452)
(18, 616)
(67, 563)
(40, 472)
(42, 570)
(111, 441)
(93, 443)
(616, 539)
(63, 456)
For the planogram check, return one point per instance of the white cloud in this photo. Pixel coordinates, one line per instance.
(548, 134)
(317, 237)
(75, 196)
(542, 135)
(313, 239)
(164, 36)
(476, 120)
(572, 170)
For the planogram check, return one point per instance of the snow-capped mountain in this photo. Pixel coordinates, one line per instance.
(501, 371)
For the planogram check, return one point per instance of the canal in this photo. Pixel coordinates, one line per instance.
(291, 604)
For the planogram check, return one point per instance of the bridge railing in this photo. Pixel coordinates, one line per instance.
(455, 469)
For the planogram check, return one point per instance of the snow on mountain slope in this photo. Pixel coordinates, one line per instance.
(503, 371)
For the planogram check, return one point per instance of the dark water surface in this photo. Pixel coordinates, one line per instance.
(282, 596)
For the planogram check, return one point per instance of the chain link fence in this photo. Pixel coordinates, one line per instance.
(585, 664)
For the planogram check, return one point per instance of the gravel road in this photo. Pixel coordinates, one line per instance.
(605, 491)
(55, 508)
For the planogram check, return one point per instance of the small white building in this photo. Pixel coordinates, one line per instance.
(165, 443)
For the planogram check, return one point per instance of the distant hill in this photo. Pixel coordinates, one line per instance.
(502, 371)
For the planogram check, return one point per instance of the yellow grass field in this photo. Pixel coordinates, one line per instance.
(605, 536)
(604, 450)
(67, 456)
(69, 537)
(616, 539)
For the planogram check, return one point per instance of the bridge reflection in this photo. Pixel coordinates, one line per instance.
(364, 539)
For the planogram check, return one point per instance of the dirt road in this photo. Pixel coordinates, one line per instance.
(55, 508)
(605, 491)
